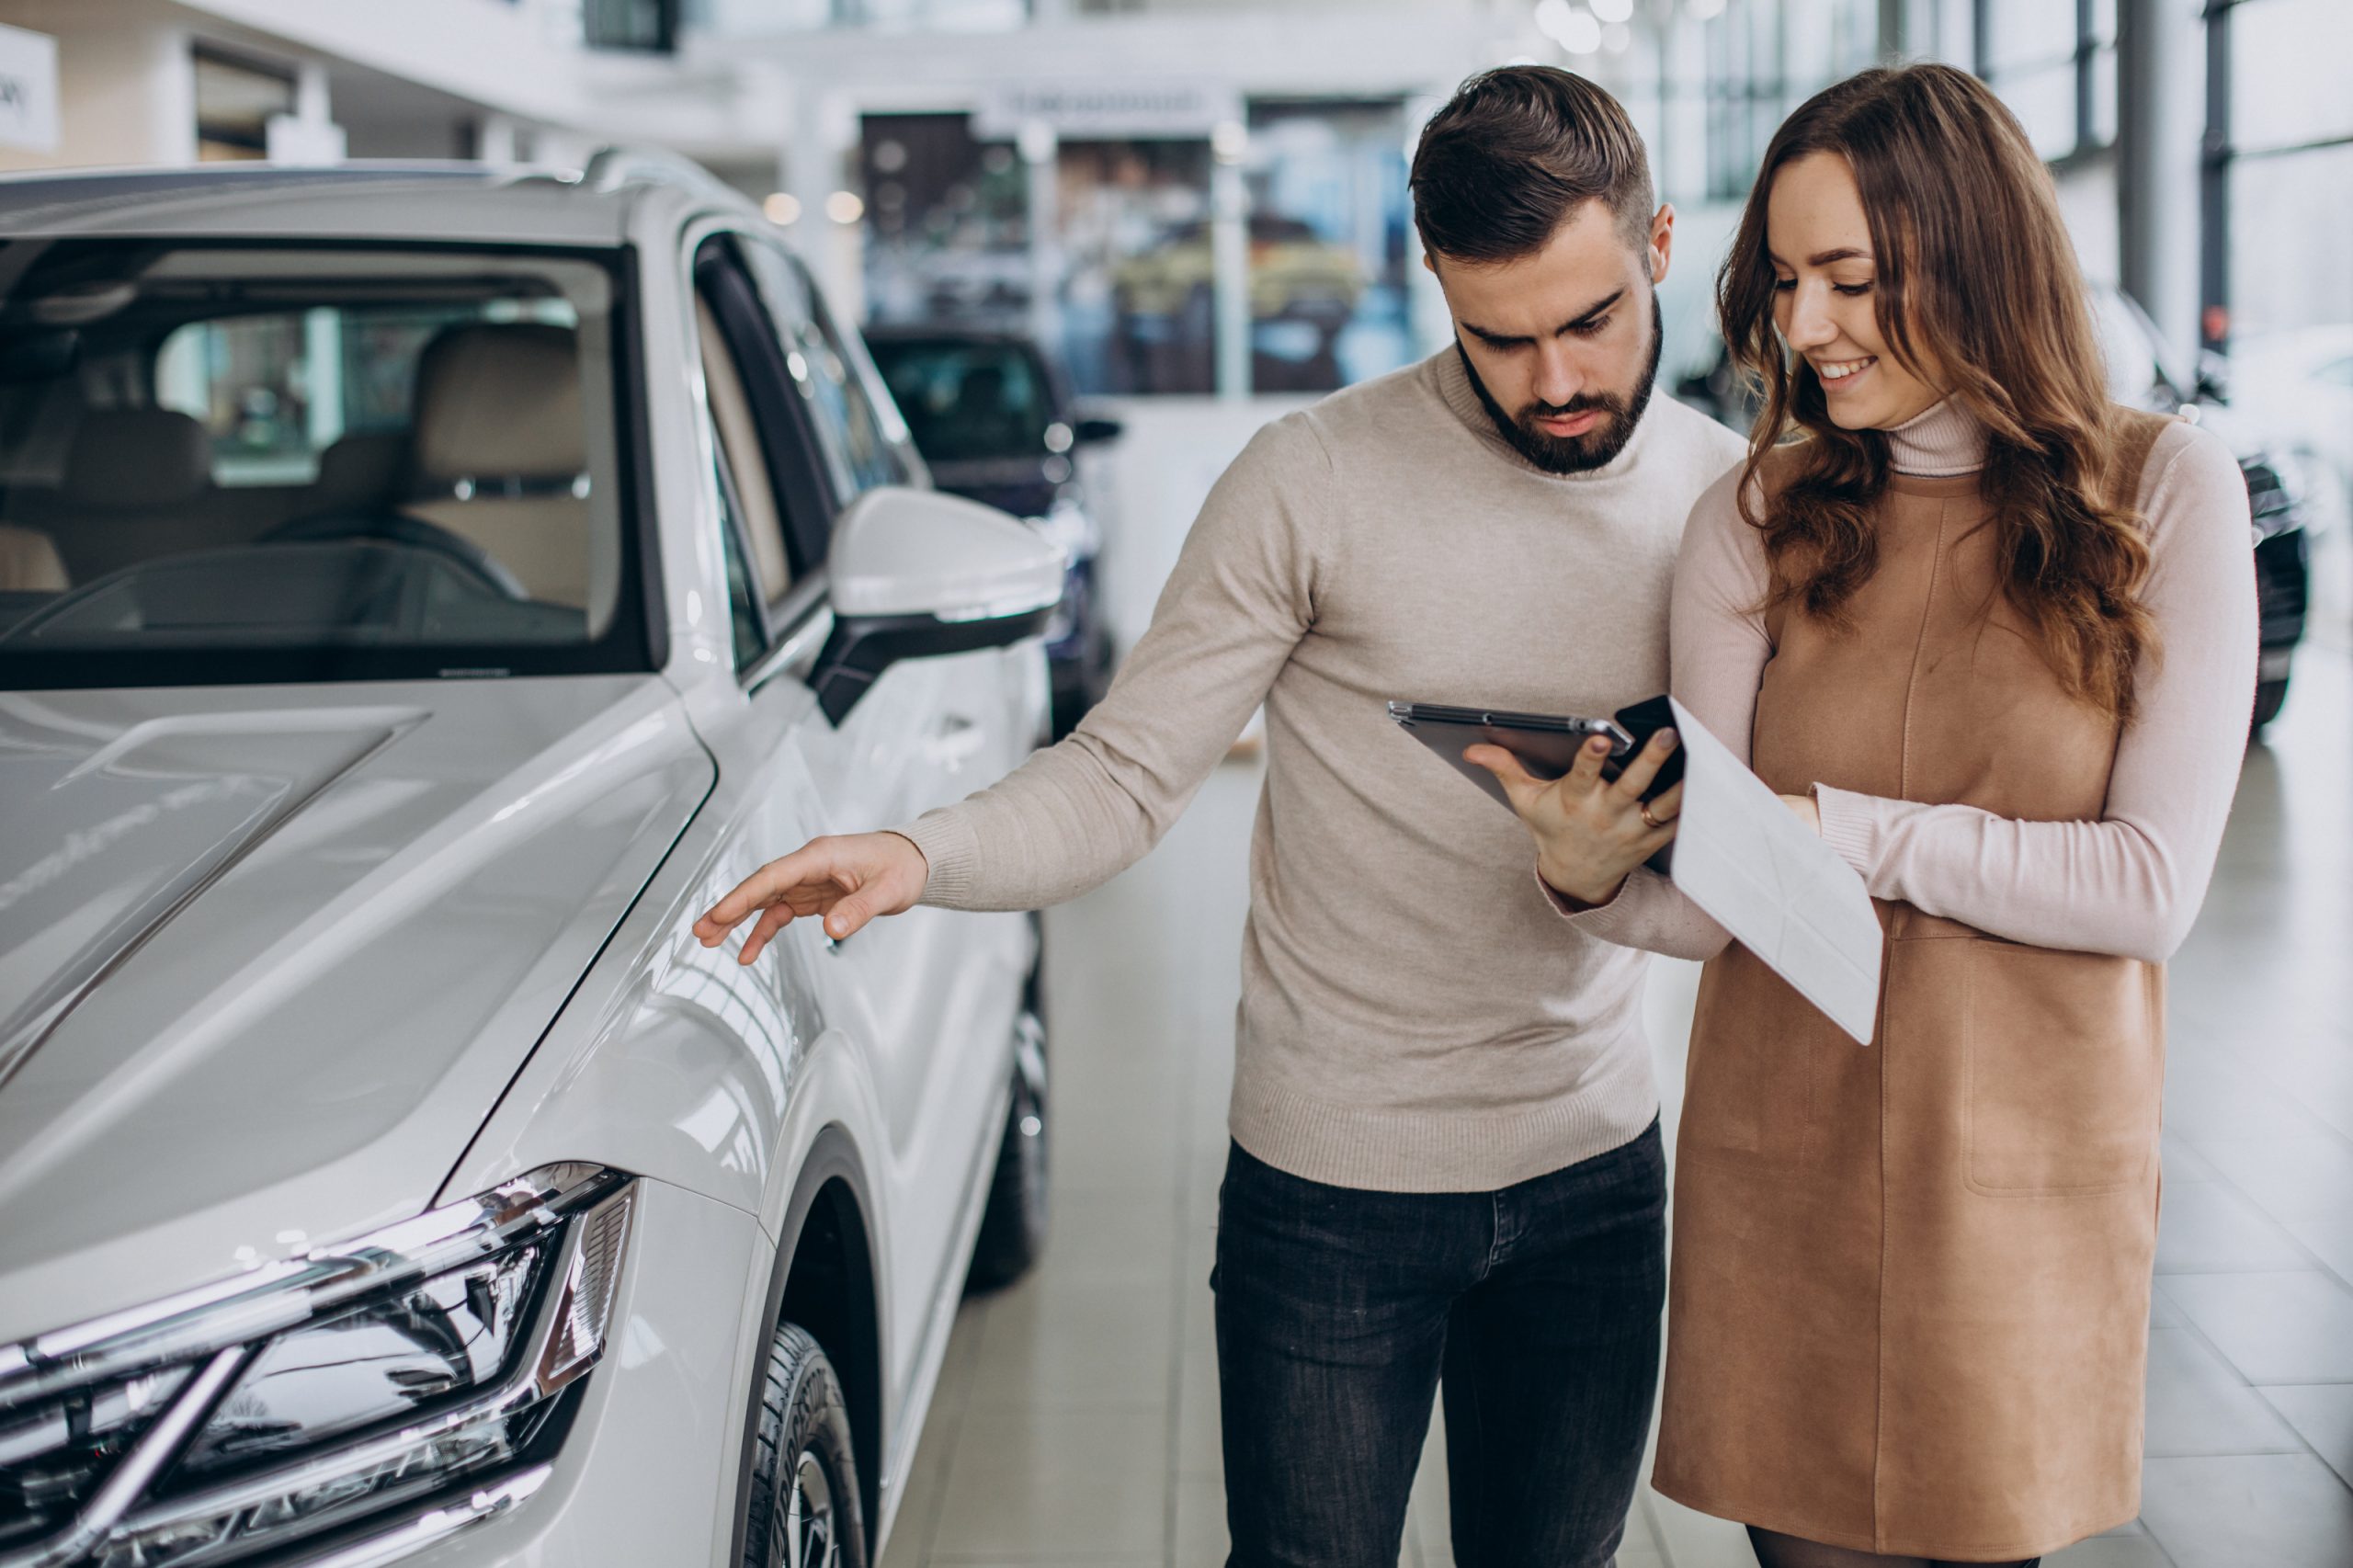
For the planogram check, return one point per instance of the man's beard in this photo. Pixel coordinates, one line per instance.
(1576, 454)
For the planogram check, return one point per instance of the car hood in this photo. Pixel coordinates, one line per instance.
(269, 956)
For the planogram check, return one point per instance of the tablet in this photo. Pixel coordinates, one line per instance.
(1545, 743)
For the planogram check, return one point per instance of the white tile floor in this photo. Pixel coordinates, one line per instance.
(1077, 1422)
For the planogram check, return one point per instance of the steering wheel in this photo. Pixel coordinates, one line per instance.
(398, 528)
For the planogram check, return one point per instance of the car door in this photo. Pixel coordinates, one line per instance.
(930, 997)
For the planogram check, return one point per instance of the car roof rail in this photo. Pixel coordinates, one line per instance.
(611, 167)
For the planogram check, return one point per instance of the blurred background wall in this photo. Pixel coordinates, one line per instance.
(1204, 202)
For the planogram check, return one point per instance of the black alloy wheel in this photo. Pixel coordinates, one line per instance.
(804, 1509)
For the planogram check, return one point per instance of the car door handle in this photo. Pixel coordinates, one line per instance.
(955, 742)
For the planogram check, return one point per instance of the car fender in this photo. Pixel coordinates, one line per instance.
(831, 1157)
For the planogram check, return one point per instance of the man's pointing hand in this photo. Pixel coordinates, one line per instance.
(849, 881)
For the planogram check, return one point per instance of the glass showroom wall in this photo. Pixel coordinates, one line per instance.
(2280, 226)
(1104, 246)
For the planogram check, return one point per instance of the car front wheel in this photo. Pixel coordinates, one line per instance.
(803, 1495)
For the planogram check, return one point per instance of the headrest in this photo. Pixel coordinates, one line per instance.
(123, 458)
(360, 468)
(30, 563)
(500, 402)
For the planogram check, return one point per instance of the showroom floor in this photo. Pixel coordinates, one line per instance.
(1077, 1421)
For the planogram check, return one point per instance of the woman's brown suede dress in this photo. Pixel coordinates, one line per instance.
(1911, 1282)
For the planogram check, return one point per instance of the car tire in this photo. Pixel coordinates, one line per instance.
(1013, 1229)
(2271, 696)
(803, 1492)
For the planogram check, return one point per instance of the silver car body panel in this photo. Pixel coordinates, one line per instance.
(260, 881)
(444, 1004)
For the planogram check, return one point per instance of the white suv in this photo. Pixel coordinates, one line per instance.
(422, 593)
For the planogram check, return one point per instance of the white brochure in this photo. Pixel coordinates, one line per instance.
(1767, 878)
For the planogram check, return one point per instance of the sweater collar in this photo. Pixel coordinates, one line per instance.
(1940, 442)
(1450, 380)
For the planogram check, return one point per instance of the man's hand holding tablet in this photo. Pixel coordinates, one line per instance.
(1590, 830)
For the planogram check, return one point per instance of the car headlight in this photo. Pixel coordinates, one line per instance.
(405, 1383)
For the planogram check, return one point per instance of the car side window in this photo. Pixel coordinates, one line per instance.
(735, 433)
(751, 527)
(746, 630)
(864, 439)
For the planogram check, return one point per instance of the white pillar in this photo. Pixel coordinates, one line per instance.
(1230, 258)
(495, 141)
(126, 95)
(310, 134)
(1433, 328)
(824, 130)
(1681, 164)
(2160, 120)
(1042, 163)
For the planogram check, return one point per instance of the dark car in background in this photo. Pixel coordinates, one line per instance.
(2141, 372)
(994, 422)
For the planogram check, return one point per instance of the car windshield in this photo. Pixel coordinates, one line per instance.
(227, 462)
(966, 400)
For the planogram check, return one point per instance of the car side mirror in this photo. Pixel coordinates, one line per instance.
(914, 575)
(1087, 432)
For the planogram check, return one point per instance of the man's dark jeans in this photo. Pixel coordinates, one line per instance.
(1339, 1311)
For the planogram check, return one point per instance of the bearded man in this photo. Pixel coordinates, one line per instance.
(1446, 1163)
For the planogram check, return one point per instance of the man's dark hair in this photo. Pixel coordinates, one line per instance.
(1514, 153)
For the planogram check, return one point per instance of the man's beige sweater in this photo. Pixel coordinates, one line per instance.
(1415, 1017)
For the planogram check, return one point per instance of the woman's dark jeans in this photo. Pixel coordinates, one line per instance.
(1340, 1311)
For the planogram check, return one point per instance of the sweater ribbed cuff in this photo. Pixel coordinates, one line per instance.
(1571, 908)
(1850, 826)
(952, 853)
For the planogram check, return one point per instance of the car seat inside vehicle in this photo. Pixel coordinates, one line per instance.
(500, 456)
(136, 484)
(30, 563)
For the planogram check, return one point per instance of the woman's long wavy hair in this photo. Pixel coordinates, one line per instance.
(1975, 262)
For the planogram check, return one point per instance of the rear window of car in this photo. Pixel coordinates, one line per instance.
(967, 400)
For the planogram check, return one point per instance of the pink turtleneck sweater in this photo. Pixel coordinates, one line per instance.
(2130, 882)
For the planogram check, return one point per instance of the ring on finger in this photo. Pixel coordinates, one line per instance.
(1649, 821)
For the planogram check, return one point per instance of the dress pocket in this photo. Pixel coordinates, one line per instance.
(2066, 1069)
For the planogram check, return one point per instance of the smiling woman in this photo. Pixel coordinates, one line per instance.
(1876, 278)
(227, 462)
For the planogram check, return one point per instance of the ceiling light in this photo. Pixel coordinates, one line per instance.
(1612, 10)
(783, 209)
(844, 207)
(1572, 29)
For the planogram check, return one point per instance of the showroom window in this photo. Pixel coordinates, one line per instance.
(2054, 64)
(236, 101)
(2282, 143)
